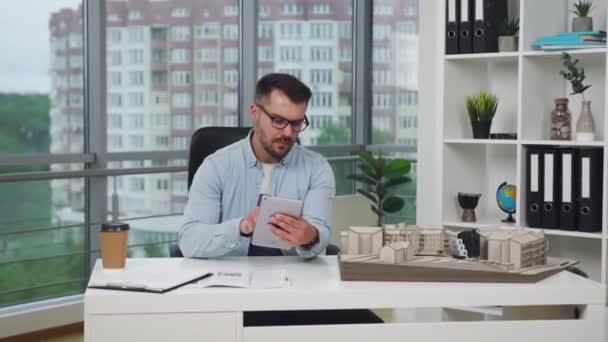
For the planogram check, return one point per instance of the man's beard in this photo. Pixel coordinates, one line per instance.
(267, 145)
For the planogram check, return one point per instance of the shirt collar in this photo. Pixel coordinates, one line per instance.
(252, 160)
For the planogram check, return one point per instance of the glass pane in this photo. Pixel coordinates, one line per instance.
(395, 72)
(152, 205)
(342, 165)
(172, 67)
(313, 42)
(146, 195)
(41, 77)
(41, 234)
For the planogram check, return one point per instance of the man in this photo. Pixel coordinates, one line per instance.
(221, 213)
(222, 203)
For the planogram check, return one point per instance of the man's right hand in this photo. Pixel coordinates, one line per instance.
(248, 222)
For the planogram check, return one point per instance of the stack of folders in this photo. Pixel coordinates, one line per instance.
(472, 25)
(564, 188)
(572, 41)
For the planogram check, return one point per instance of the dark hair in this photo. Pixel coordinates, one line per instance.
(295, 89)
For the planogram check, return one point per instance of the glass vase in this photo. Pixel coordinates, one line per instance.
(585, 127)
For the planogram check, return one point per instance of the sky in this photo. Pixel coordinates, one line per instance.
(24, 42)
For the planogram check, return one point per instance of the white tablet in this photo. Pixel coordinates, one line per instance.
(262, 235)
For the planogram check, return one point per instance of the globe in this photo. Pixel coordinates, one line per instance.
(506, 195)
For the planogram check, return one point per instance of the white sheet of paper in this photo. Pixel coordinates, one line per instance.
(271, 279)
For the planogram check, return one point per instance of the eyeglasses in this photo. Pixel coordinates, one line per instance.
(281, 122)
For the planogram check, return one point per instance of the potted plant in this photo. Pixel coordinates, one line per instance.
(585, 126)
(380, 176)
(507, 35)
(582, 22)
(482, 107)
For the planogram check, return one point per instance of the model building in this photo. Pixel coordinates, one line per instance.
(503, 249)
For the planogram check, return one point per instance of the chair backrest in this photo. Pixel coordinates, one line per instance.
(205, 141)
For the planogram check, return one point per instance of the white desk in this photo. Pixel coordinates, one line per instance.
(215, 314)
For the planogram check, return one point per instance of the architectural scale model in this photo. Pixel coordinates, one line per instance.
(412, 253)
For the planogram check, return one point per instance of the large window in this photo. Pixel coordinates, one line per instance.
(41, 112)
(311, 37)
(394, 76)
(395, 87)
(181, 62)
(171, 68)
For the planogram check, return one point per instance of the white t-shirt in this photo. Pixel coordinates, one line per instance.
(267, 171)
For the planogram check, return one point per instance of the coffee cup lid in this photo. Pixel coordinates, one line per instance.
(113, 227)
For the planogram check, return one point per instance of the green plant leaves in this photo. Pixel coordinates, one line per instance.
(368, 171)
(375, 210)
(397, 181)
(575, 75)
(509, 27)
(379, 175)
(369, 160)
(363, 179)
(396, 167)
(368, 195)
(482, 106)
(393, 204)
(581, 8)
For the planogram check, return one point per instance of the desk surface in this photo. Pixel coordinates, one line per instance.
(316, 284)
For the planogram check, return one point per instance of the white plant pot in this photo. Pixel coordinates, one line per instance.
(507, 43)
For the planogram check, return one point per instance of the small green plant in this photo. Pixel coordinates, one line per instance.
(381, 176)
(574, 74)
(509, 27)
(581, 8)
(482, 106)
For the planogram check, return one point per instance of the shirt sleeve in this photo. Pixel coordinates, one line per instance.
(317, 206)
(202, 235)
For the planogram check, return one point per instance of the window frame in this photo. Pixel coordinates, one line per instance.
(95, 156)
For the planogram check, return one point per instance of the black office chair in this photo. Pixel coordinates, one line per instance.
(205, 141)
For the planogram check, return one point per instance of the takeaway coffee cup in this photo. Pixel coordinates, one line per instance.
(113, 241)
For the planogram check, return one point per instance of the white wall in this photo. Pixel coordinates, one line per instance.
(428, 207)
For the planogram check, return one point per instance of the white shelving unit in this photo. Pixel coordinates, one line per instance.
(526, 82)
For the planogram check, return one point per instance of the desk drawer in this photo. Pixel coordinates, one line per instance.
(221, 326)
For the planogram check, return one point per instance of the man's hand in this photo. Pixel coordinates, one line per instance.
(248, 222)
(295, 231)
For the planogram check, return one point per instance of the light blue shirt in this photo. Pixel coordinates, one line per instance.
(227, 185)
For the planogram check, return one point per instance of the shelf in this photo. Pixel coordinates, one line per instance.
(542, 83)
(500, 225)
(569, 143)
(478, 225)
(492, 57)
(481, 141)
(466, 78)
(558, 232)
(591, 51)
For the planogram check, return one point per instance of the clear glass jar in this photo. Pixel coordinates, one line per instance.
(561, 127)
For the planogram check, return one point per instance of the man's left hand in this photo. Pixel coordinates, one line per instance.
(295, 231)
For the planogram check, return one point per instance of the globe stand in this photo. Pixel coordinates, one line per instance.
(510, 210)
(509, 219)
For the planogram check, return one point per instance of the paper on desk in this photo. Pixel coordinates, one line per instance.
(151, 277)
(244, 279)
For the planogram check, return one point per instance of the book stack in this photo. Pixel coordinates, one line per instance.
(572, 41)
